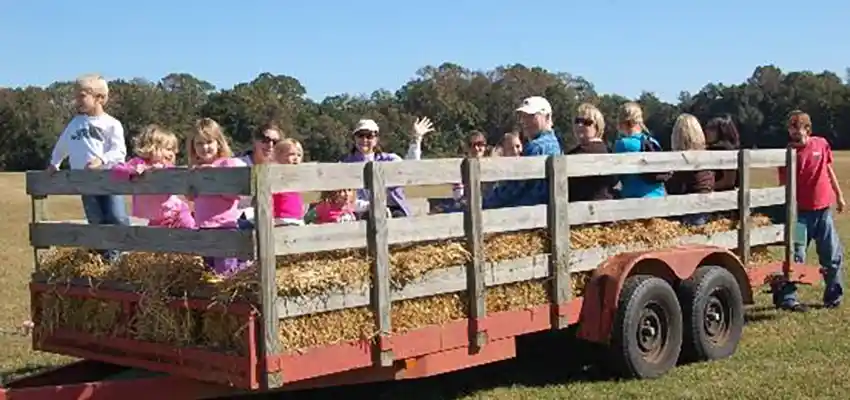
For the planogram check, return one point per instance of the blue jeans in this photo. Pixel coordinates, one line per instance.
(820, 227)
(106, 210)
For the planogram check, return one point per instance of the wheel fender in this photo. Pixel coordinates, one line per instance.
(602, 292)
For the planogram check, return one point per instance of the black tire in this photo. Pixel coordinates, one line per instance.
(647, 332)
(713, 310)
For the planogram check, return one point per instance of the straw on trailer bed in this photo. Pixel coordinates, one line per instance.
(164, 277)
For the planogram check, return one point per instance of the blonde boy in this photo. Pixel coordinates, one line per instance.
(94, 139)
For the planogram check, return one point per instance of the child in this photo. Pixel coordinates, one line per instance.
(207, 147)
(288, 207)
(817, 190)
(510, 145)
(155, 148)
(334, 206)
(94, 139)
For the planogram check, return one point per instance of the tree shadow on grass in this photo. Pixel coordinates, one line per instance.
(543, 359)
(760, 314)
(7, 376)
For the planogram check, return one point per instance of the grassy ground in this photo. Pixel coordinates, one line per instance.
(782, 355)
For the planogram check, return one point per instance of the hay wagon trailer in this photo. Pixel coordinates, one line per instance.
(649, 305)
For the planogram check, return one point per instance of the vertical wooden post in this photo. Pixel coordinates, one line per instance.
(744, 225)
(377, 241)
(473, 230)
(265, 257)
(790, 209)
(559, 236)
(39, 214)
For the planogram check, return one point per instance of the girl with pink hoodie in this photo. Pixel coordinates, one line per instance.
(155, 148)
(208, 148)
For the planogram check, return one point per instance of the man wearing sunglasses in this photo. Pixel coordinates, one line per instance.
(535, 115)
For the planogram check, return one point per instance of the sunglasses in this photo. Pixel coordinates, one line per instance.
(583, 121)
(365, 134)
(267, 140)
(478, 144)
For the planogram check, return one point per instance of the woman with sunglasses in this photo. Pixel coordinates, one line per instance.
(366, 148)
(589, 129)
(263, 141)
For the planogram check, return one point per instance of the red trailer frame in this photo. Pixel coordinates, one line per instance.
(479, 339)
(420, 353)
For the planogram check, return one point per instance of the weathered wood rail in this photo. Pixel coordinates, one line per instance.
(378, 233)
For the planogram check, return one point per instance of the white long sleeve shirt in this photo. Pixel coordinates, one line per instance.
(87, 137)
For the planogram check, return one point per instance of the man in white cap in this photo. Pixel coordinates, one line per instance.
(536, 119)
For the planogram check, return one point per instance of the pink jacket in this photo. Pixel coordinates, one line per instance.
(329, 213)
(218, 211)
(158, 209)
(288, 205)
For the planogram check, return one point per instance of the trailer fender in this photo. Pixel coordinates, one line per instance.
(602, 292)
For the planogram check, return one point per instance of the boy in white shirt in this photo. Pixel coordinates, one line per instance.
(94, 139)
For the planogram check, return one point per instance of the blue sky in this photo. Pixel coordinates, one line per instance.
(337, 46)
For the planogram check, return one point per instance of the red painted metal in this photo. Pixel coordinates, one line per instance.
(423, 352)
(192, 363)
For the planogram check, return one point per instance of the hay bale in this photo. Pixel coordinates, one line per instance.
(162, 275)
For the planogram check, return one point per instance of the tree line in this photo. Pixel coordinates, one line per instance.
(458, 100)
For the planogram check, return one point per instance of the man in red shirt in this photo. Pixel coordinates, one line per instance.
(817, 191)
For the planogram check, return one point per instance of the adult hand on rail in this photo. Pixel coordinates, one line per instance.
(422, 127)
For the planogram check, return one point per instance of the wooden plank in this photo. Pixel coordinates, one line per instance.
(315, 238)
(330, 176)
(494, 169)
(790, 207)
(210, 242)
(265, 257)
(423, 172)
(744, 193)
(472, 222)
(559, 237)
(379, 252)
(174, 180)
(588, 212)
(39, 214)
(316, 177)
(453, 279)
(767, 158)
(352, 235)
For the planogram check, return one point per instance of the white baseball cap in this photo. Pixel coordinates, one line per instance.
(535, 105)
(366, 125)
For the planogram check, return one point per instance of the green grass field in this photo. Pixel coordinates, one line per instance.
(782, 355)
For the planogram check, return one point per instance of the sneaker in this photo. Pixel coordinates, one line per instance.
(832, 304)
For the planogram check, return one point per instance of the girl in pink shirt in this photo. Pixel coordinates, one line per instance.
(155, 148)
(288, 207)
(207, 147)
(336, 206)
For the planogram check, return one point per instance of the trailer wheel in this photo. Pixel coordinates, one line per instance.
(713, 309)
(647, 335)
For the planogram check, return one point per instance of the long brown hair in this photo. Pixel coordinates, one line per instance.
(209, 129)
